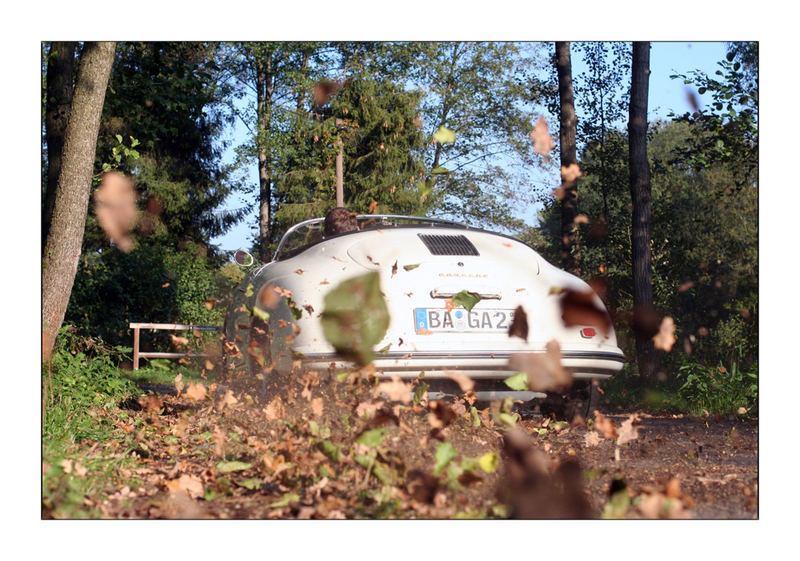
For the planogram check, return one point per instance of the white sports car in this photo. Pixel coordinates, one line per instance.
(423, 265)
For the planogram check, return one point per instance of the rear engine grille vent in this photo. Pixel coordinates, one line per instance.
(448, 245)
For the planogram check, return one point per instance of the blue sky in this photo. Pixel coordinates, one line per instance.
(666, 59)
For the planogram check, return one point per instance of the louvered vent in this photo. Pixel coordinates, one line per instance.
(448, 245)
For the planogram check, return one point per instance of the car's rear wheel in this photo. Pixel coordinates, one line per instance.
(581, 400)
(259, 356)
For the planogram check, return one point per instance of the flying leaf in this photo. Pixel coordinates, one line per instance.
(445, 453)
(464, 382)
(115, 209)
(355, 317)
(211, 303)
(591, 439)
(570, 173)
(196, 392)
(517, 382)
(519, 325)
(439, 171)
(466, 299)
(580, 308)
(544, 370)
(542, 141)
(317, 406)
(395, 389)
(628, 430)
(605, 426)
(489, 461)
(665, 338)
(444, 135)
(178, 341)
(410, 267)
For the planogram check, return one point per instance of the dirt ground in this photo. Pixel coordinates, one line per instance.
(210, 453)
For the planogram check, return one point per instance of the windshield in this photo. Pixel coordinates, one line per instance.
(308, 233)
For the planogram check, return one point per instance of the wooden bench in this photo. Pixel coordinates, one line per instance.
(170, 326)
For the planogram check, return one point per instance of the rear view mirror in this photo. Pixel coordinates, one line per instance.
(243, 258)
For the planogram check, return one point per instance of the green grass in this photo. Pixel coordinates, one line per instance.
(82, 391)
(166, 376)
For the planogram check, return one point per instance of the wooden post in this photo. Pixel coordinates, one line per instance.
(136, 348)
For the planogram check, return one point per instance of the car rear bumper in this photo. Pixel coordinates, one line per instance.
(476, 364)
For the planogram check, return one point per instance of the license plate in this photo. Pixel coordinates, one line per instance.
(459, 320)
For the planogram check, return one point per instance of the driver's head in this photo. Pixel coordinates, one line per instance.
(338, 221)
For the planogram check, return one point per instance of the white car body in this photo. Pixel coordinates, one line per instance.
(422, 263)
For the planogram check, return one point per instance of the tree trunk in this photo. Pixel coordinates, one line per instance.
(63, 245)
(60, 70)
(570, 241)
(264, 81)
(645, 321)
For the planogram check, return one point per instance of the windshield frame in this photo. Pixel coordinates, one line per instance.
(380, 221)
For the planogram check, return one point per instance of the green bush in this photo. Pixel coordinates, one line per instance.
(81, 375)
(719, 390)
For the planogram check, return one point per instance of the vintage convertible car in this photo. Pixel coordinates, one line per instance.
(422, 264)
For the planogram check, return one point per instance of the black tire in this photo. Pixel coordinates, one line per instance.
(259, 357)
(581, 400)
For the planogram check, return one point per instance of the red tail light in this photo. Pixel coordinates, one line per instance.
(588, 332)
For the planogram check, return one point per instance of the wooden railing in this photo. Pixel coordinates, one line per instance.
(171, 326)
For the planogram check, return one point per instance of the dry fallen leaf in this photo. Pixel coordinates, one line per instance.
(368, 408)
(191, 484)
(395, 389)
(179, 383)
(178, 341)
(275, 410)
(544, 370)
(628, 430)
(441, 414)
(195, 392)
(519, 325)
(317, 406)
(570, 173)
(582, 309)
(115, 208)
(592, 439)
(605, 425)
(665, 337)
(542, 141)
